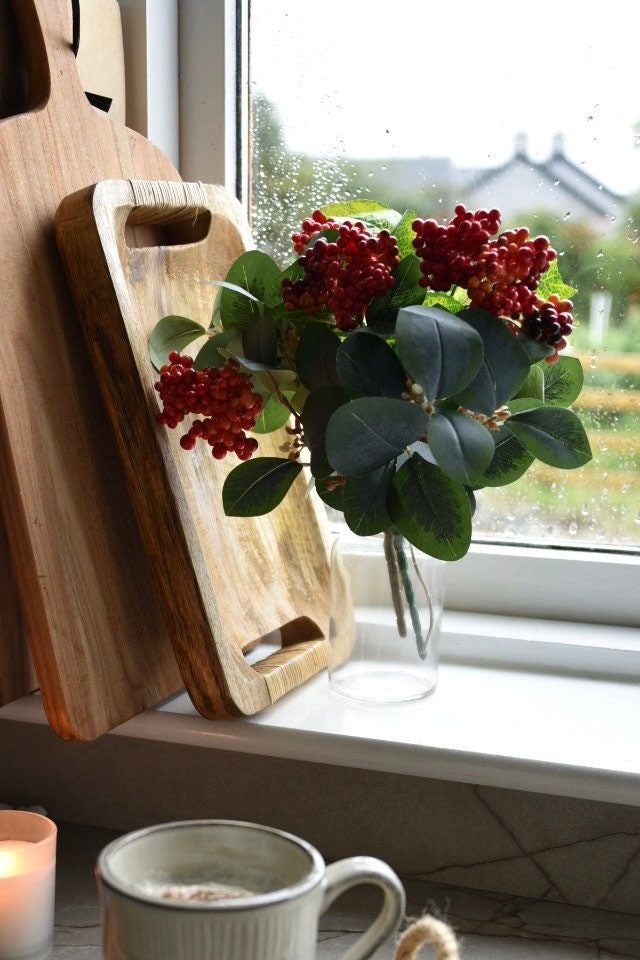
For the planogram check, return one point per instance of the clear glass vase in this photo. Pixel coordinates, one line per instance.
(386, 609)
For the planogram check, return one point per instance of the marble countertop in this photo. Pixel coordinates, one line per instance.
(490, 926)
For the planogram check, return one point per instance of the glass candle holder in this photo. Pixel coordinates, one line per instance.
(27, 885)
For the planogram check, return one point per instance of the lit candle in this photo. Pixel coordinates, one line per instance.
(27, 881)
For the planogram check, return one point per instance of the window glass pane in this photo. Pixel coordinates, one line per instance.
(440, 103)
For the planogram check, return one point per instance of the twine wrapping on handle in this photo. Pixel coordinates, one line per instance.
(425, 931)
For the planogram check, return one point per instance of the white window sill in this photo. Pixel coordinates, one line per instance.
(526, 724)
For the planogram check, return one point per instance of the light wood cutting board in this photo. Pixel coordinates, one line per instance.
(225, 582)
(92, 612)
(101, 69)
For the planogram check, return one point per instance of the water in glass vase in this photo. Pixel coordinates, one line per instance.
(386, 609)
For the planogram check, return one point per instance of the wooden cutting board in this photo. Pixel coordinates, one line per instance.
(101, 69)
(92, 612)
(225, 582)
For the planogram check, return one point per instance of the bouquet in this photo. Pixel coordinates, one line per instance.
(408, 363)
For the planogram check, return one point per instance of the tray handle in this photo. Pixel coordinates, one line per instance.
(304, 653)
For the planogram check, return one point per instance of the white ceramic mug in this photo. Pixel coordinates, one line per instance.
(158, 885)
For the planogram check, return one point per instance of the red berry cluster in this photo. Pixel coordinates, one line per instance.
(508, 272)
(341, 277)
(550, 322)
(501, 275)
(225, 398)
(448, 253)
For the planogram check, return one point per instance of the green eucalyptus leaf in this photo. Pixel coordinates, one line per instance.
(319, 407)
(260, 340)
(430, 509)
(533, 385)
(370, 431)
(520, 404)
(552, 282)
(472, 499)
(257, 486)
(368, 365)
(509, 462)
(406, 292)
(316, 356)
(210, 356)
(563, 381)
(365, 501)
(504, 368)
(169, 334)
(440, 351)
(252, 273)
(552, 434)
(463, 448)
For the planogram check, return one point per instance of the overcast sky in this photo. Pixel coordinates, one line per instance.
(457, 78)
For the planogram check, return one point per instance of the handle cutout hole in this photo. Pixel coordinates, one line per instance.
(147, 227)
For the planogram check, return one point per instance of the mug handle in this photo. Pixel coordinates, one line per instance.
(353, 871)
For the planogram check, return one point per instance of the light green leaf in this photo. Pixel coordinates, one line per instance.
(251, 273)
(169, 334)
(533, 385)
(274, 414)
(209, 355)
(552, 282)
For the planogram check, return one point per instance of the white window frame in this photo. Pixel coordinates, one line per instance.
(183, 57)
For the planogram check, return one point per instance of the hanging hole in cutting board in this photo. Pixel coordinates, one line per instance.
(145, 227)
(21, 88)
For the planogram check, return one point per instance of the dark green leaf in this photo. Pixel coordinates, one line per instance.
(253, 271)
(430, 509)
(169, 334)
(472, 499)
(533, 385)
(319, 407)
(407, 292)
(316, 356)
(260, 340)
(552, 282)
(257, 486)
(563, 381)
(365, 501)
(462, 447)
(504, 369)
(534, 349)
(552, 434)
(209, 355)
(333, 498)
(273, 416)
(370, 431)
(510, 461)
(367, 364)
(440, 351)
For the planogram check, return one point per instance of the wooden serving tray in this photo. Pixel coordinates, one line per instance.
(100, 645)
(225, 582)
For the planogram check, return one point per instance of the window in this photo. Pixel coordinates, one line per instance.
(307, 74)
